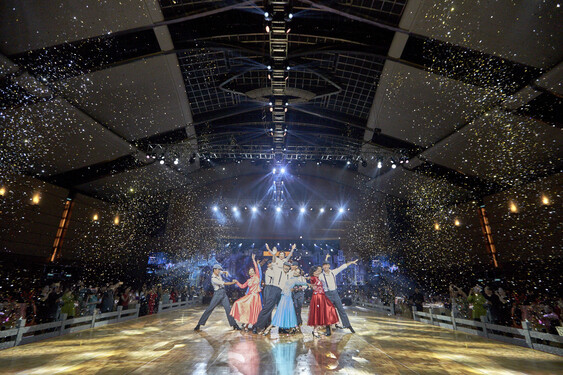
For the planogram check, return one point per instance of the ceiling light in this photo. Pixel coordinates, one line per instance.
(302, 209)
(254, 209)
(322, 210)
(266, 15)
(267, 28)
(215, 208)
(274, 171)
(282, 170)
(235, 209)
(176, 161)
(379, 165)
(393, 166)
(278, 209)
(290, 15)
(341, 210)
(544, 199)
(161, 162)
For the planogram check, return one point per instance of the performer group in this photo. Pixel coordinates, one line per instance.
(284, 285)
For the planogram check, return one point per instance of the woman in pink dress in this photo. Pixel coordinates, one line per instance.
(247, 308)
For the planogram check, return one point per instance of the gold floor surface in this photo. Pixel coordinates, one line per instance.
(166, 344)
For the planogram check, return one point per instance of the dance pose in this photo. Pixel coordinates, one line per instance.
(285, 316)
(278, 257)
(247, 308)
(321, 310)
(328, 278)
(273, 296)
(219, 297)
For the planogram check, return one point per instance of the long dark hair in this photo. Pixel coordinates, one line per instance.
(312, 271)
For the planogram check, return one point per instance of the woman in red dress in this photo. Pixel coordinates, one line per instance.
(247, 308)
(321, 311)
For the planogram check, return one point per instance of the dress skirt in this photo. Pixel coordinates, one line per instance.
(246, 309)
(321, 311)
(285, 316)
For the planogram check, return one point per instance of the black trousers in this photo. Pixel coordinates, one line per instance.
(271, 299)
(298, 298)
(335, 299)
(219, 297)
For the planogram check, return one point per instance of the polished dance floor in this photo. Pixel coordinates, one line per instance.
(166, 344)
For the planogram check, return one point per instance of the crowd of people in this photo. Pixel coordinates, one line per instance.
(49, 303)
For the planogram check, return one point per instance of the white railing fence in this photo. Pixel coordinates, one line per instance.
(26, 334)
(524, 336)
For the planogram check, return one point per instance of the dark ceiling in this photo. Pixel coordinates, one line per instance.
(368, 81)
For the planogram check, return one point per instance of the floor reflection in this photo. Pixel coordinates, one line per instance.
(166, 344)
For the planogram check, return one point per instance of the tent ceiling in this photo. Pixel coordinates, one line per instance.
(172, 78)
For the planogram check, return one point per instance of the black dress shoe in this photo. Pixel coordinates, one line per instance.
(328, 333)
(236, 327)
(351, 329)
(196, 328)
(338, 327)
(254, 330)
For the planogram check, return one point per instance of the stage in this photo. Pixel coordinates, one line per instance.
(166, 344)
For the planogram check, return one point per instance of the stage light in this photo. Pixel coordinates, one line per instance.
(215, 208)
(176, 161)
(457, 223)
(266, 14)
(348, 162)
(254, 209)
(290, 15)
(274, 171)
(161, 162)
(95, 217)
(288, 68)
(302, 209)
(116, 220)
(436, 226)
(393, 166)
(379, 165)
(2, 191)
(282, 170)
(341, 210)
(322, 210)
(36, 198)
(267, 28)
(235, 209)
(544, 199)
(513, 208)
(278, 209)
(269, 67)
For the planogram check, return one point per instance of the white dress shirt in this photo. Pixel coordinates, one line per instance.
(269, 276)
(329, 279)
(217, 282)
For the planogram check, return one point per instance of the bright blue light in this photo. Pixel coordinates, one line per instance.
(341, 210)
(278, 209)
(282, 170)
(266, 15)
(322, 210)
(290, 15)
(302, 209)
(215, 208)
(235, 209)
(274, 171)
(254, 209)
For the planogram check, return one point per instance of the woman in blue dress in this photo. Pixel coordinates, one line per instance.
(285, 316)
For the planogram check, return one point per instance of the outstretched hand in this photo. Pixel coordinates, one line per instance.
(253, 256)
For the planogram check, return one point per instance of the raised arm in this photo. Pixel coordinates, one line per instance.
(291, 252)
(326, 258)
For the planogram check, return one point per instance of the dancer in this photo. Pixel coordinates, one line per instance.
(321, 310)
(278, 257)
(328, 278)
(285, 317)
(247, 308)
(219, 297)
(299, 294)
(273, 296)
